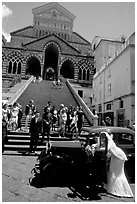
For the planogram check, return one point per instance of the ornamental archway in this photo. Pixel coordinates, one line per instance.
(50, 70)
(67, 69)
(33, 67)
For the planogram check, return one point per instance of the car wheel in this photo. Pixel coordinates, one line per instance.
(51, 174)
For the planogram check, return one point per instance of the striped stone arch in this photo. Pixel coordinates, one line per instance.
(68, 68)
(84, 70)
(68, 59)
(33, 55)
(36, 61)
(53, 43)
(14, 63)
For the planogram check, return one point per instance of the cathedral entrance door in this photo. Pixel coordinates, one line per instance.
(49, 74)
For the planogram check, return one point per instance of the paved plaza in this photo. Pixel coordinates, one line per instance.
(16, 171)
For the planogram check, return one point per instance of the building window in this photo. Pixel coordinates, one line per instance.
(109, 89)
(109, 72)
(108, 106)
(10, 67)
(80, 93)
(40, 33)
(88, 74)
(100, 109)
(80, 74)
(121, 104)
(14, 67)
(90, 98)
(84, 74)
(54, 14)
(19, 68)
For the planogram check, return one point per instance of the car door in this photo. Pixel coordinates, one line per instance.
(101, 160)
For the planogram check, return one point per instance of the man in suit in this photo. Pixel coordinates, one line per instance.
(35, 130)
(47, 123)
(29, 112)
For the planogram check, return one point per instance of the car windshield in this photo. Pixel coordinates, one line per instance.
(123, 138)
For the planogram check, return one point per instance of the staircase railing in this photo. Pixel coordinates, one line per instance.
(92, 119)
(20, 91)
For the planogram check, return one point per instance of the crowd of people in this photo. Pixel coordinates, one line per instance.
(65, 120)
(57, 84)
(12, 115)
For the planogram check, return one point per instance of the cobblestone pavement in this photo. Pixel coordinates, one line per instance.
(16, 171)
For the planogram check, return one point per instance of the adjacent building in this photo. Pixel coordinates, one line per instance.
(104, 48)
(114, 86)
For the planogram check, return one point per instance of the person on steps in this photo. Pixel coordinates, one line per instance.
(35, 130)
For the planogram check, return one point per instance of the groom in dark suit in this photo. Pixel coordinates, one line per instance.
(35, 130)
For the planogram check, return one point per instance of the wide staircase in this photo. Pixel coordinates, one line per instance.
(41, 93)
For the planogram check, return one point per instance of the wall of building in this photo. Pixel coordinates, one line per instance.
(116, 82)
(104, 51)
(87, 93)
(16, 41)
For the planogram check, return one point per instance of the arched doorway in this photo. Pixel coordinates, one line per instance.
(67, 69)
(50, 73)
(33, 67)
(51, 62)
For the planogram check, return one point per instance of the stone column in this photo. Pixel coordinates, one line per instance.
(58, 70)
(42, 69)
(76, 72)
(4, 67)
(59, 67)
(23, 69)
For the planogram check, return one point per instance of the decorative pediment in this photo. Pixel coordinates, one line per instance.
(54, 14)
(53, 10)
(39, 44)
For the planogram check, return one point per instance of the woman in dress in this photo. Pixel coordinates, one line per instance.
(5, 112)
(14, 116)
(62, 122)
(117, 183)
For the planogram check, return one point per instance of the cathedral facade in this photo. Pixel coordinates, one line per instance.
(48, 49)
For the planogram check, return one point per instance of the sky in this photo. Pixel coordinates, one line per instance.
(107, 19)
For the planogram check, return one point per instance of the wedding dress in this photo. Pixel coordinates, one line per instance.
(117, 183)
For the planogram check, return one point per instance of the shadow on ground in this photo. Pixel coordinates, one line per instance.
(82, 191)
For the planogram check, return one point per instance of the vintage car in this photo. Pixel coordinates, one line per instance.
(73, 161)
(123, 138)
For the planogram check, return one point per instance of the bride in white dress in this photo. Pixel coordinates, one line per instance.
(117, 183)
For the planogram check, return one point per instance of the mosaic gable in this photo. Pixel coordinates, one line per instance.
(40, 44)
